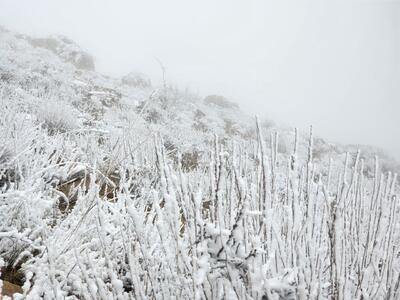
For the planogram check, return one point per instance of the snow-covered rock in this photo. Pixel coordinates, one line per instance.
(136, 79)
(66, 49)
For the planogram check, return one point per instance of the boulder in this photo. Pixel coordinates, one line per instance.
(135, 79)
(66, 49)
(220, 101)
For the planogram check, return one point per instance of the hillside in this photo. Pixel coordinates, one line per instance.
(113, 188)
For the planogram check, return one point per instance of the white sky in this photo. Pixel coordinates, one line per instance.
(333, 64)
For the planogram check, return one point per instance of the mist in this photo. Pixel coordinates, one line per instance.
(331, 64)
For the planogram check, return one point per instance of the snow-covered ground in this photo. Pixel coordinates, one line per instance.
(112, 188)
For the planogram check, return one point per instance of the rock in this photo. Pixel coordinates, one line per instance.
(220, 101)
(66, 49)
(135, 79)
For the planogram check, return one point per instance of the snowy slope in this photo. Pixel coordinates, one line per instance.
(37, 75)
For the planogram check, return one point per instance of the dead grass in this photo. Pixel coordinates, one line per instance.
(9, 289)
(108, 186)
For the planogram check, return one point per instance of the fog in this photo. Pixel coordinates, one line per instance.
(332, 64)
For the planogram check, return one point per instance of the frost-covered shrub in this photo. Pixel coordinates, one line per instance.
(9, 174)
(213, 233)
(249, 134)
(190, 160)
(153, 116)
(57, 117)
(106, 96)
(200, 126)
(5, 155)
(12, 254)
(198, 114)
(230, 127)
(86, 104)
(6, 77)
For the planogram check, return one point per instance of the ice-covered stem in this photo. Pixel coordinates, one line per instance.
(293, 159)
(309, 173)
(1, 281)
(264, 171)
(274, 162)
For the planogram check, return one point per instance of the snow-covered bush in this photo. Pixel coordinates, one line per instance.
(243, 226)
(57, 117)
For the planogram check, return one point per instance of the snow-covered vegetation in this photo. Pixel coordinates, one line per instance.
(118, 190)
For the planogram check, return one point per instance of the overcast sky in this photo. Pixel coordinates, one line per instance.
(333, 64)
